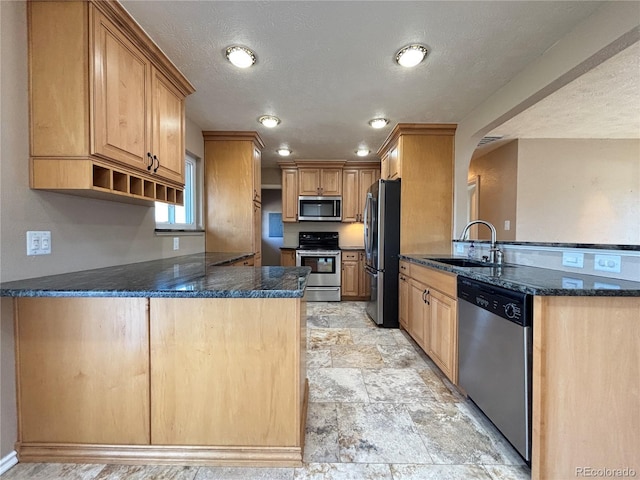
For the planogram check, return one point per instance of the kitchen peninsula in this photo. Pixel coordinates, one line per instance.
(179, 360)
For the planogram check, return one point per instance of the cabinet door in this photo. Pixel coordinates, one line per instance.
(366, 178)
(309, 181)
(167, 108)
(290, 195)
(394, 163)
(351, 191)
(384, 166)
(83, 370)
(121, 114)
(257, 175)
(331, 181)
(418, 313)
(404, 288)
(365, 284)
(349, 279)
(287, 258)
(257, 228)
(443, 333)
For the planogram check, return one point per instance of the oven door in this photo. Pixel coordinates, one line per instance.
(325, 266)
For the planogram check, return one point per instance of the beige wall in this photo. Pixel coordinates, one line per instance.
(85, 233)
(579, 190)
(613, 27)
(497, 172)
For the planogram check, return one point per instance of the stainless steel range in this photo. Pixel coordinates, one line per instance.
(321, 252)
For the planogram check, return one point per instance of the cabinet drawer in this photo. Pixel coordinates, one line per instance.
(443, 281)
(353, 255)
(405, 268)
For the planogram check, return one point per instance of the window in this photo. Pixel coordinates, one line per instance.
(178, 217)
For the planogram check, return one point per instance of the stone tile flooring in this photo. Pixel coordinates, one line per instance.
(379, 409)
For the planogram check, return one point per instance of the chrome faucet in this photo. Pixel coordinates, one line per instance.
(495, 254)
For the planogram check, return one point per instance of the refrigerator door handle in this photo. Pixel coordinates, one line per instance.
(367, 225)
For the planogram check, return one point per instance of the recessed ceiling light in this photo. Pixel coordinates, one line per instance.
(362, 152)
(269, 121)
(411, 55)
(241, 57)
(284, 152)
(378, 122)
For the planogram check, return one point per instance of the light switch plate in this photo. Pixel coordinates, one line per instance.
(176, 243)
(572, 283)
(607, 263)
(573, 259)
(459, 248)
(38, 242)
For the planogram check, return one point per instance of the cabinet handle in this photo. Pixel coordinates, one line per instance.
(157, 164)
(255, 194)
(150, 161)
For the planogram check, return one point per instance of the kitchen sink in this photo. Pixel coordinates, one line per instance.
(462, 262)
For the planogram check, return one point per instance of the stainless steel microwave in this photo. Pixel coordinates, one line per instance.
(320, 209)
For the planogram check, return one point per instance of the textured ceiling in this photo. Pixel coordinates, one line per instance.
(326, 67)
(602, 103)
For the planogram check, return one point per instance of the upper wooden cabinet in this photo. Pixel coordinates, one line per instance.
(355, 183)
(320, 181)
(421, 155)
(233, 212)
(289, 193)
(106, 106)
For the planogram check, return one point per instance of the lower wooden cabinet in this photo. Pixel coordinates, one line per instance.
(288, 257)
(83, 370)
(429, 313)
(161, 380)
(355, 281)
(245, 262)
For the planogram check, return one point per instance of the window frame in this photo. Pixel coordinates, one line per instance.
(192, 201)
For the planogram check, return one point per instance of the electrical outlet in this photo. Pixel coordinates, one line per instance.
(606, 286)
(607, 263)
(573, 259)
(572, 283)
(176, 243)
(38, 243)
(507, 225)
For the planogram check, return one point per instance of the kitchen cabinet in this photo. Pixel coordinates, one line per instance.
(245, 262)
(320, 181)
(403, 303)
(288, 257)
(354, 281)
(140, 380)
(233, 212)
(428, 312)
(82, 370)
(290, 194)
(106, 106)
(355, 184)
(422, 156)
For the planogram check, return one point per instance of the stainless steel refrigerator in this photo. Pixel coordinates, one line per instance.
(382, 247)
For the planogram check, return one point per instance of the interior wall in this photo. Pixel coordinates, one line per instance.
(579, 190)
(85, 233)
(497, 171)
(609, 30)
(271, 203)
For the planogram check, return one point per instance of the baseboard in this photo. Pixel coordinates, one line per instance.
(9, 461)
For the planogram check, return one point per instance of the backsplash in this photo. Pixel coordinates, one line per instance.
(550, 256)
(351, 234)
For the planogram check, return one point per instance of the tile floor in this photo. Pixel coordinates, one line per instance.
(379, 409)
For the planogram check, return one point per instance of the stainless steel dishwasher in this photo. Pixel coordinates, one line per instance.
(494, 350)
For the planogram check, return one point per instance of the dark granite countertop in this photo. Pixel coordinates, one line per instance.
(536, 281)
(201, 275)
